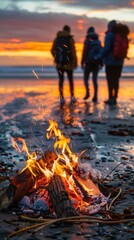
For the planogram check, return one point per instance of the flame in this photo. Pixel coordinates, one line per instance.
(61, 141)
(68, 160)
(32, 164)
(23, 147)
(63, 165)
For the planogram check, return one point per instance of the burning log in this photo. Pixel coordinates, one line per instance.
(23, 182)
(61, 203)
(48, 158)
(19, 186)
(86, 196)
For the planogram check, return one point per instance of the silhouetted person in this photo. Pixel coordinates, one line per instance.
(64, 53)
(113, 64)
(92, 47)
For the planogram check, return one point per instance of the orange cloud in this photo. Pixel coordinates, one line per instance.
(24, 46)
(132, 3)
(28, 53)
(80, 24)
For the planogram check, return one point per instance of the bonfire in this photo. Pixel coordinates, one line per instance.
(54, 184)
(56, 187)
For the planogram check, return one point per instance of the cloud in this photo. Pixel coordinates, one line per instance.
(82, 4)
(42, 27)
(95, 4)
(28, 26)
(92, 4)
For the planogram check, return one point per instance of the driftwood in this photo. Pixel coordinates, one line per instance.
(59, 197)
(23, 182)
(18, 187)
(7, 196)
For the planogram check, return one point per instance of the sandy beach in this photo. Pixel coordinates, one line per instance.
(105, 132)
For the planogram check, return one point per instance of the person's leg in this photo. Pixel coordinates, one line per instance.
(109, 76)
(71, 83)
(117, 74)
(61, 80)
(95, 83)
(86, 77)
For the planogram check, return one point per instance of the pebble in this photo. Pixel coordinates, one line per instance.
(110, 160)
(40, 205)
(97, 162)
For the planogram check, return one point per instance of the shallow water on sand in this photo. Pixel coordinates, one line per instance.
(39, 100)
(42, 98)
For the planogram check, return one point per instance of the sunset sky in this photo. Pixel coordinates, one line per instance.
(28, 27)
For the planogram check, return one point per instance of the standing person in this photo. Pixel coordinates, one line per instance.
(64, 53)
(92, 47)
(112, 59)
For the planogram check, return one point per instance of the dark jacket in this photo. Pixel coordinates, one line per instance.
(107, 51)
(73, 60)
(90, 38)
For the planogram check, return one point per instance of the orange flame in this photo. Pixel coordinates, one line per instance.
(63, 165)
(32, 164)
(61, 141)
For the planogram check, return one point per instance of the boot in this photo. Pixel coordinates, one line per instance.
(111, 101)
(94, 99)
(62, 100)
(87, 95)
(73, 99)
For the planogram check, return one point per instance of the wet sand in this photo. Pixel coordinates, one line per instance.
(105, 132)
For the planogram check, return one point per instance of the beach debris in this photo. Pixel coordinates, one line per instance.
(121, 130)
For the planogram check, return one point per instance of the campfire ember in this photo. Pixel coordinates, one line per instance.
(53, 183)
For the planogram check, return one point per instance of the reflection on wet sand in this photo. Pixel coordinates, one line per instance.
(26, 107)
(42, 100)
(67, 113)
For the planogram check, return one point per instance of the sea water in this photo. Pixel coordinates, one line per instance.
(49, 72)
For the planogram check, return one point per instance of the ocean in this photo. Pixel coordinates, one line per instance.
(49, 72)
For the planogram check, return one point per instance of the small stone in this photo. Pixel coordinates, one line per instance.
(40, 205)
(125, 158)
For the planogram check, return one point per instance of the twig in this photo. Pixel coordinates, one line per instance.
(108, 216)
(75, 218)
(109, 206)
(48, 220)
(111, 172)
(25, 229)
(120, 190)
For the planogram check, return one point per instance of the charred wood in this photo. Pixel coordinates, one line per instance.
(19, 186)
(7, 196)
(48, 158)
(86, 196)
(59, 197)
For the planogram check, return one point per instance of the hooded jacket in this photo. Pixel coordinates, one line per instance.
(92, 36)
(73, 60)
(107, 51)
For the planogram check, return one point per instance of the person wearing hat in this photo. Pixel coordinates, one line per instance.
(92, 47)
